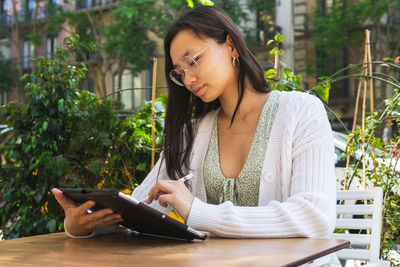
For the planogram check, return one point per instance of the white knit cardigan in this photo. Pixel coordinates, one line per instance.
(297, 187)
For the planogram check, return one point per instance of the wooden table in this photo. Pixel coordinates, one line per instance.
(131, 250)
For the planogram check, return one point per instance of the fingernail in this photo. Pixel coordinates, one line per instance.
(55, 190)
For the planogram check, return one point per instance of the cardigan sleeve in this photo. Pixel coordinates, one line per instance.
(158, 172)
(307, 175)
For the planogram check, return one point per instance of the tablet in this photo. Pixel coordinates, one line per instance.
(137, 215)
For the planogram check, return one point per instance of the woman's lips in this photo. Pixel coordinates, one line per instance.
(199, 90)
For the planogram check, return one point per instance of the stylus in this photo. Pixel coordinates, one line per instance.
(185, 178)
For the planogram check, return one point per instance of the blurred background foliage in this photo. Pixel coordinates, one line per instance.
(65, 137)
(61, 136)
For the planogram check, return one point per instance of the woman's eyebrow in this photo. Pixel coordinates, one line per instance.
(186, 54)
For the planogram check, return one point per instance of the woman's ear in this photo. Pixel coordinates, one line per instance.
(231, 47)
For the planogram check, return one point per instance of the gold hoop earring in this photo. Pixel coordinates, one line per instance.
(235, 62)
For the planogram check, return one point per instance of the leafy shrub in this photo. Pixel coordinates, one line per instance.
(66, 137)
(381, 171)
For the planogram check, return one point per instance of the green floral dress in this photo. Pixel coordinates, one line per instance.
(243, 190)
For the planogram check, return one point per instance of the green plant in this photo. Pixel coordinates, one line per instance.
(130, 153)
(34, 152)
(66, 137)
(284, 79)
(379, 173)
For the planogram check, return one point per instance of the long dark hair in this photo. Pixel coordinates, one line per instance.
(184, 108)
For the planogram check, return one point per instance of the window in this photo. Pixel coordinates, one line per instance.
(29, 6)
(51, 8)
(4, 49)
(130, 98)
(3, 98)
(81, 4)
(51, 45)
(125, 97)
(90, 3)
(88, 85)
(28, 54)
(138, 94)
(329, 62)
(3, 6)
(265, 19)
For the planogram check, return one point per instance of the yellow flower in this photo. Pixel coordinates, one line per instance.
(100, 185)
(44, 209)
(3, 160)
(34, 173)
(104, 171)
(126, 191)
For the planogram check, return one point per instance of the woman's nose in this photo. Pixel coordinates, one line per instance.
(189, 78)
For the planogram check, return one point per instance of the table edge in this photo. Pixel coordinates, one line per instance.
(312, 257)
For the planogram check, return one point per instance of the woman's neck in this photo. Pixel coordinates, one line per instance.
(252, 103)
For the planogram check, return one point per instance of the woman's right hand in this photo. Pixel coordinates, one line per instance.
(78, 222)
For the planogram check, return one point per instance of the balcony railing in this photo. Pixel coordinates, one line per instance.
(89, 4)
(26, 15)
(5, 19)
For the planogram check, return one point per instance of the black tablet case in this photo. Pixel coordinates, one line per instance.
(137, 216)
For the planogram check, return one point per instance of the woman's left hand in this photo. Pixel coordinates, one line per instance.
(174, 193)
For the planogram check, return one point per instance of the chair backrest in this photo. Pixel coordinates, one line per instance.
(360, 242)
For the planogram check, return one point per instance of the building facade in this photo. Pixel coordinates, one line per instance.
(294, 19)
(20, 18)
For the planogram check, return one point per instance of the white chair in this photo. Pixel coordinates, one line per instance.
(360, 242)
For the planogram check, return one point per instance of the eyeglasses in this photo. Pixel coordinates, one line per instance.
(177, 75)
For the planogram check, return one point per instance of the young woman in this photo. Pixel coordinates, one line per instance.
(262, 160)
